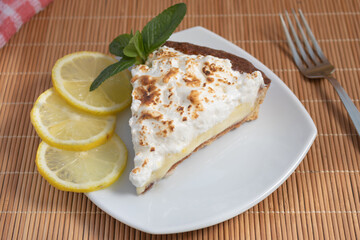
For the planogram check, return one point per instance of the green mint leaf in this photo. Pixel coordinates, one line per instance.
(135, 47)
(160, 28)
(140, 45)
(111, 70)
(117, 46)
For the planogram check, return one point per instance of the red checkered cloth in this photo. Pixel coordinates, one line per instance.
(14, 13)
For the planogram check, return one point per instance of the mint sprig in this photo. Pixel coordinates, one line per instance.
(135, 48)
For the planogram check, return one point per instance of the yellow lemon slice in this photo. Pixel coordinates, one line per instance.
(82, 171)
(63, 126)
(73, 74)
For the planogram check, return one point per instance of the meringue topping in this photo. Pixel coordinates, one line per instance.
(176, 97)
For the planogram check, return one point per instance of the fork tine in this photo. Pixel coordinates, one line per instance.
(307, 44)
(297, 40)
(291, 45)
(312, 37)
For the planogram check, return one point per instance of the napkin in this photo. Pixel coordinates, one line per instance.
(14, 13)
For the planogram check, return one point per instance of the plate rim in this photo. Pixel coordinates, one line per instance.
(235, 211)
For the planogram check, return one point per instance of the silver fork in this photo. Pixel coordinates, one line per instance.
(312, 66)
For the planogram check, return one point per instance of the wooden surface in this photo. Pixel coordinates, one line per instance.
(320, 200)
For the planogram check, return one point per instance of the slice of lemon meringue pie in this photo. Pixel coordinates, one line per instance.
(184, 97)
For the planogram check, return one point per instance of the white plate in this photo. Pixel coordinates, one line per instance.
(227, 177)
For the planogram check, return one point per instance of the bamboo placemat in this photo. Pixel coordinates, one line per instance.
(320, 200)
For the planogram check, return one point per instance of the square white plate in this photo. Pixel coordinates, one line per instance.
(227, 177)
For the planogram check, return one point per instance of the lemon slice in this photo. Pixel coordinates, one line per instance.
(73, 74)
(66, 127)
(82, 171)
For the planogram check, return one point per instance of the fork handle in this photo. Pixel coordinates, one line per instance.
(349, 105)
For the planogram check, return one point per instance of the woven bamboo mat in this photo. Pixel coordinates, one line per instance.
(320, 200)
